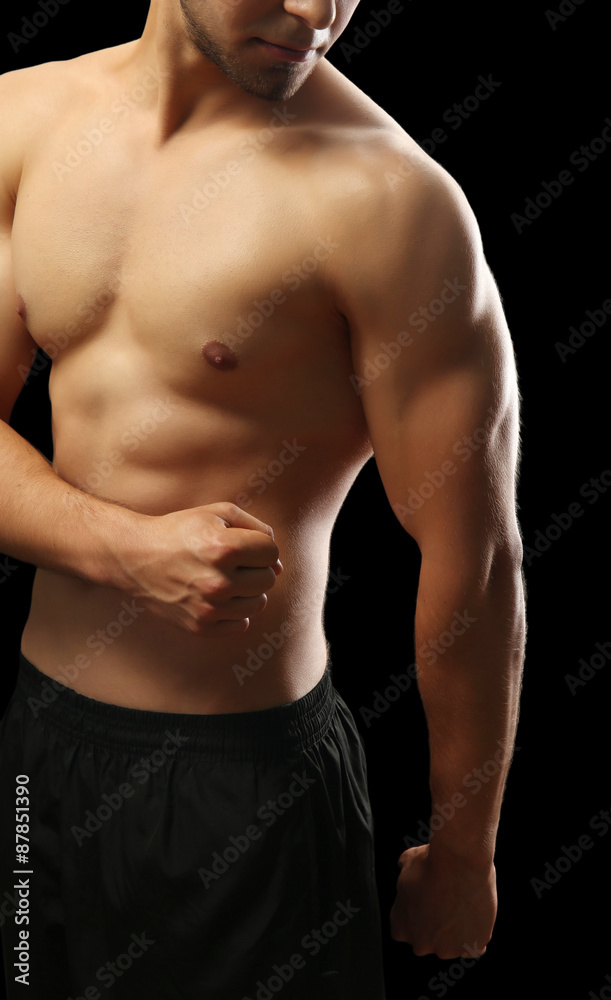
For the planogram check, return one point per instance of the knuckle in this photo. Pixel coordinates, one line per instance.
(226, 509)
(195, 627)
(201, 618)
(196, 541)
(219, 550)
(217, 588)
(207, 614)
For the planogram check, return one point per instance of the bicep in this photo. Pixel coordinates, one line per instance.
(446, 448)
(435, 370)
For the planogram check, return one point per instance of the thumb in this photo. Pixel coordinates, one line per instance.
(234, 517)
(412, 854)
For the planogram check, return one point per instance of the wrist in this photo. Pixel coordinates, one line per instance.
(114, 536)
(474, 856)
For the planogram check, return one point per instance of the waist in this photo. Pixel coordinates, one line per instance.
(107, 646)
(271, 733)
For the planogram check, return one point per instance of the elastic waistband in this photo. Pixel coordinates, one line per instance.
(265, 734)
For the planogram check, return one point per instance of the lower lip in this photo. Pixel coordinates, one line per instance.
(288, 55)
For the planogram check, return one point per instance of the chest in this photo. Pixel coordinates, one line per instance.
(164, 255)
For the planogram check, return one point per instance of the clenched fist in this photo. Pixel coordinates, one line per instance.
(443, 906)
(206, 570)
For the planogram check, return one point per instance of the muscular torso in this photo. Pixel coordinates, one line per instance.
(132, 257)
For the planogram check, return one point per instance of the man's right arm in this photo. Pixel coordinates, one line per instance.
(185, 565)
(43, 520)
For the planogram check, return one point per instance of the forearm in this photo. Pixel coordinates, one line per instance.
(469, 651)
(49, 523)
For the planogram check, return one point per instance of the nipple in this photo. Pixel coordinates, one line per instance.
(219, 356)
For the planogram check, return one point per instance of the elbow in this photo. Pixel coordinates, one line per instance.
(502, 573)
(508, 555)
(495, 564)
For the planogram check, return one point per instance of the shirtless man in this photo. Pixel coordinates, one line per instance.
(250, 280)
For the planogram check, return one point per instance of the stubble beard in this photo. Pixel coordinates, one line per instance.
(281, 82)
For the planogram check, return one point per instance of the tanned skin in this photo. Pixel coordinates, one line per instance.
(200, 459)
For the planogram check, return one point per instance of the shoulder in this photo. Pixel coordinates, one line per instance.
(403, 224)
(392, 193)
(26, 103)
(39, 87)
(410, 253)
(35, 99)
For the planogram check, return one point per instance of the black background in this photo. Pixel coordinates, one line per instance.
(551, 100)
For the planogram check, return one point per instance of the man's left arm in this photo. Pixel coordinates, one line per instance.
(434, 366)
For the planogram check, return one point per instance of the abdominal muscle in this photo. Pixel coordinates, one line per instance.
(274, 454)
(106, 645)
(103, 642)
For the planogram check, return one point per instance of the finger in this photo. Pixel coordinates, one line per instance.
(421, 951)
(397, 932)
(227, 627)
(248, 581)
(232, 620)
(473, 951)
(237, 608)
(234, 517)
(234, 583)
(249, 549)
(411, 853)
(232, 625)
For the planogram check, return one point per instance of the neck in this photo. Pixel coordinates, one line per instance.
(193, 91)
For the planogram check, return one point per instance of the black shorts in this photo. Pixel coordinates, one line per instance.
(185, 857)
